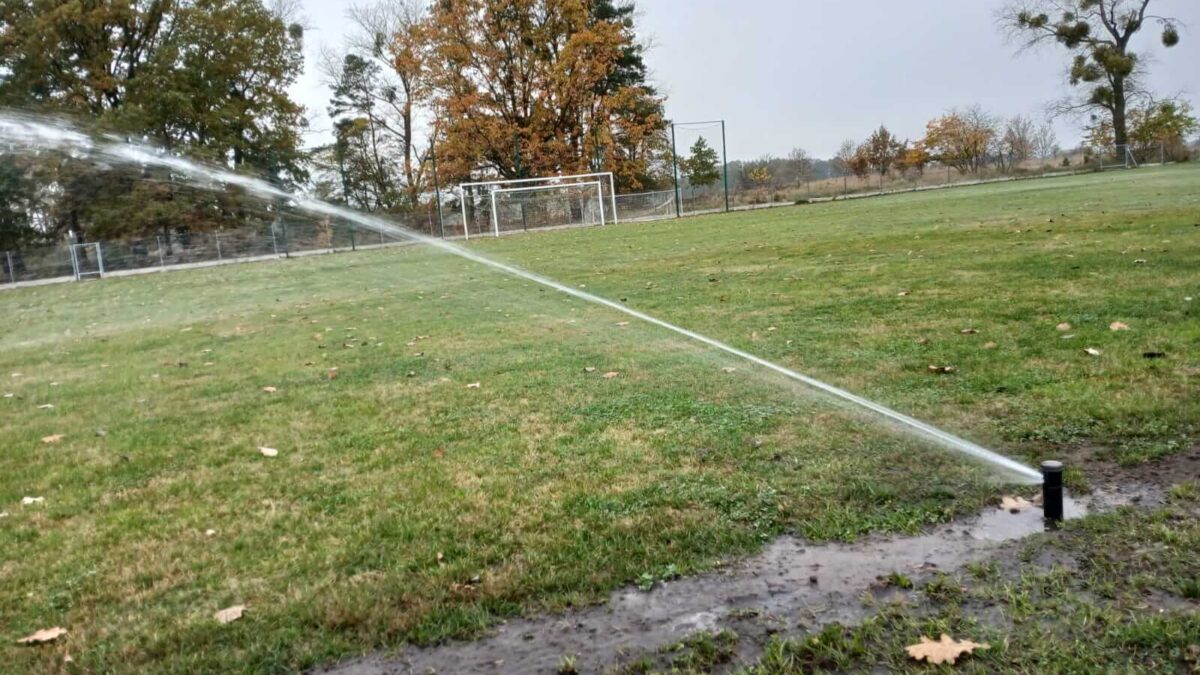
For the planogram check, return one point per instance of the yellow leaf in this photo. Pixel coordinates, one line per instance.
(230, 614)
(945, 650)
(270, 390)
(474, 385)
(1064, 326)
(53, 438)
(1015, 504)
(268, 452)
(43, 635)
(611, 374)
(1117, 325)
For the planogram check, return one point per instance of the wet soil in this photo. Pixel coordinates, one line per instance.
(791, 587)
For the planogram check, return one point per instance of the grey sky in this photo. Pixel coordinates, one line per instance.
(810, 73)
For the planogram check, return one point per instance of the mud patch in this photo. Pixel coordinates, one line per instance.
(791, 586)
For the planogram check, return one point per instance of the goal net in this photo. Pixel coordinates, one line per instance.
(496, 207)
(1118, 157)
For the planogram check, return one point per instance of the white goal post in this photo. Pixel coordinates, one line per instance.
(496, 192)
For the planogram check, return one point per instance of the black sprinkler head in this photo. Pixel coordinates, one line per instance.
(1052, 490)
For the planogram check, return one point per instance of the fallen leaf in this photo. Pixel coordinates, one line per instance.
(270, 390)
(1139, 261)
(46, 406)
(946, 650)
(611, 374)
(622, 323)
(1117, 325)
(43, 635)
(26, 501)
(230, 614)
(771, 328)
(1092, 351)
(268, 452)
(474, 385)
(942, 370)
(53, 438)
(9, 394)
(728, 370)
(1015, 504)
(989, 345)
(332, 373)
(3, 514)
(902, 293)
(589, 369)
(441, 559)
(969, 331)
(209, 532)
(439, 453)
(1064, 326)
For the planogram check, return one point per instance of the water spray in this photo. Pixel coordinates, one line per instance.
(24, 130)
(1052, 490)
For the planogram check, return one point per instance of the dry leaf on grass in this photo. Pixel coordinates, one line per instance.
(942, 370)
(1015, 504)
(268, 452)
(611, 374)
(474, 385)
(1064, 326)
(439, 453)
(1092, 351)
(1117, 325)
(989, 345)
(589, 369)
(622, 323)
(230, 614)
(43, 635)
(209, 532)
(53, 438)
(728, 370)
(3, 514)
(969, 331)
(332, 373)
(946, 650)
(46, 406)
(270, 390)
(28, 501)
(902, 293)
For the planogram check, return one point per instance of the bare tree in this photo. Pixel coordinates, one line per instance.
(843, 161)
(1019, 140)
(802, 163)
(1098, 33)
(1045, 141)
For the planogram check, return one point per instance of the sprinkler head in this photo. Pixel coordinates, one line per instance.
(1052, 490)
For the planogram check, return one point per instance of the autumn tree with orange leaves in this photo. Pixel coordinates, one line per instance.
(526, 88)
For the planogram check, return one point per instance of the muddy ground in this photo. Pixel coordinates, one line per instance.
(789, 589)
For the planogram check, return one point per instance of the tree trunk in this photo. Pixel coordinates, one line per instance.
(1120, 134)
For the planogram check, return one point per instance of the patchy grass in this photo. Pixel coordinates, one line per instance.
(404, 506)
(1115, 592)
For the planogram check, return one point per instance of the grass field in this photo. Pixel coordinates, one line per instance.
(407, 506)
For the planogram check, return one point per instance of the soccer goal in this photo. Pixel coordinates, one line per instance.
(497, 207)
(1120, 157)
(87, 260)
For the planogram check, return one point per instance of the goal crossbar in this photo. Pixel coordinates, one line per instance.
(554, 181)
(535, 188)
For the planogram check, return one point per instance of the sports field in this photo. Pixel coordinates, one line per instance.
(452, 447)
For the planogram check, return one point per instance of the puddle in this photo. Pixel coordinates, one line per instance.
(791, 583)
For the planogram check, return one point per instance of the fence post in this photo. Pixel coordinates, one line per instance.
(12, 273)
(218, 238)
(161, 262)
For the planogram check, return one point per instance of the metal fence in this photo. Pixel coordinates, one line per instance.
(296, 237)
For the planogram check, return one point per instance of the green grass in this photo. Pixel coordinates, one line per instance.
(406, 507)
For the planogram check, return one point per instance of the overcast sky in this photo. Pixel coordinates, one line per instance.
(810, 73)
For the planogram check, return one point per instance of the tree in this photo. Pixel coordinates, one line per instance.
(1045, 141)
(915, 158)
(1098, 33)
(540, 87)
(759, 176)
(1019, 141)
(860, 162)
(802, 164)
(844, 158)
(882, 150)
(1165, 124)
(961, 138)
(701, 166)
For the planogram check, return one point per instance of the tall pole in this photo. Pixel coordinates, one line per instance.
(675, 173)
(437, 192)
(725, 165)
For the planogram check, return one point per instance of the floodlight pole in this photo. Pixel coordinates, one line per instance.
(725, 166)
(675, 173)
